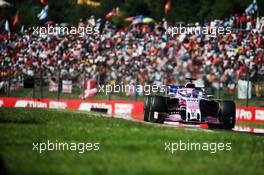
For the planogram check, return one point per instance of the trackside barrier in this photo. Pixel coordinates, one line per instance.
(250, 114)
(243, 114)
(110, 107)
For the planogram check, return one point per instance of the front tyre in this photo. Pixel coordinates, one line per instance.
(228, 114)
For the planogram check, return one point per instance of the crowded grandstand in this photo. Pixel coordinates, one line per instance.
(140, 53)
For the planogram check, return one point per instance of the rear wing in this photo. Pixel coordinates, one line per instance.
(171, 89)
(190, 79)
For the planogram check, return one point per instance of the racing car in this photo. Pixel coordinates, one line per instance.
(189, 104)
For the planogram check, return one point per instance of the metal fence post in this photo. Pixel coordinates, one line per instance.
(8, 87)
(109, 96)
(136, 86)
(218, 92)
(41, 84)
(247, 85)
(84, 82)
(59, 81)
(33, 90)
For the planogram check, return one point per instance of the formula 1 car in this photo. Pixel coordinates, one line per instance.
(188, 104)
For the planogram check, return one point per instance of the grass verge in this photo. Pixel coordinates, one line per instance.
(126, 147)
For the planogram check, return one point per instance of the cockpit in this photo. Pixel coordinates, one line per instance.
(190, 85)
(191, 92)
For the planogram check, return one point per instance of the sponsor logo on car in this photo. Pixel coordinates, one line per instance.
(193, 104)
(156, 115)
(193, 100)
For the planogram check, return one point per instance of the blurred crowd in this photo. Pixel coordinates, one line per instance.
(142, 53)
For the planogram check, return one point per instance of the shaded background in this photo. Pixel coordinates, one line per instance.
(182, 10)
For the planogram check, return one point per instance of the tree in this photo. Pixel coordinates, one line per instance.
(182, 10)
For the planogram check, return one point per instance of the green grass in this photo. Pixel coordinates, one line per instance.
(126, 147)
(254, 125)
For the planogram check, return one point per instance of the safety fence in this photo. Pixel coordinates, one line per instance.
(243, 92)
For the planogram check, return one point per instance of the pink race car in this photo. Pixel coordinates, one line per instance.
(188, 104)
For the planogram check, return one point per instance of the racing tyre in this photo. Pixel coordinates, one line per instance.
(147, 100)
(158, 103)
(228, 114)
(156, 117)
(157, 107)
(146, 115)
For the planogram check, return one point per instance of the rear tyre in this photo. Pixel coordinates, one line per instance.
(228, 114)
(155, 117)
(147, 100)
(146, 115)
(158, 104)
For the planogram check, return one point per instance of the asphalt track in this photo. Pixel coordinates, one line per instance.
(199, 127)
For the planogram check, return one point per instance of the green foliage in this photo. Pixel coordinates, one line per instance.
(182, 10)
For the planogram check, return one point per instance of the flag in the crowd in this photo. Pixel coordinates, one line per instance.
(117, 12)
(90, 89)
(22, 29)
(53, 86)
(92, 3)
(66, 86)
(4, 3)
(7, 28)
(114, 12)
(109, 15)
(130, 19)
(244, 89)
(252, 8)
(167, 7)
(231, 88)
(44, 2)
(44, 13)
(16, 19)
(258, 24)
